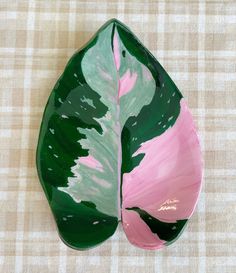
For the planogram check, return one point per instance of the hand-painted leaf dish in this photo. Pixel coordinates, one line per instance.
(118, 143)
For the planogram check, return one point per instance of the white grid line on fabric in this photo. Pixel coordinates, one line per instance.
(202, 112)
(62, 258)
(145, 17)
(24, 138)
(216, 54)
(160, 28)
(178, 76)
(114, 250)
(201, 98)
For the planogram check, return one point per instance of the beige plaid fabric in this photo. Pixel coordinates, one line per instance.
(196, 43)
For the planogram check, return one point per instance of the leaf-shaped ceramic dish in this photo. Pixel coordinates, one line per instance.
(117, 142)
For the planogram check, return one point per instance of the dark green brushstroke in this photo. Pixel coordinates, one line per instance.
(78, 230)
(166, 231)
(147, 121)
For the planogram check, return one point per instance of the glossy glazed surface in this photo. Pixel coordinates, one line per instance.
(117, 142)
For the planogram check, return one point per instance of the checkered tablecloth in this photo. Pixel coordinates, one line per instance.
(196, 43)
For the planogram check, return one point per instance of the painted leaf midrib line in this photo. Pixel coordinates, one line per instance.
(114, 32)
(116, 105)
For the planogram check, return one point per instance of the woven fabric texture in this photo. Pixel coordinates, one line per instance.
(195, 41)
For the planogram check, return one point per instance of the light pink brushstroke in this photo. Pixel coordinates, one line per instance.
(101, 182)
(105, 74)
(91, 162)
(167, 181)
(127, 82)
(138, 233)
(116, 50)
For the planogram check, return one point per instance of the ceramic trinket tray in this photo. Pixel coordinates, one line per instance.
(118, 144)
